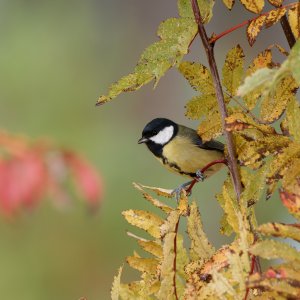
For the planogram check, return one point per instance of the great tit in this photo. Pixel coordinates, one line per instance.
(180, 149)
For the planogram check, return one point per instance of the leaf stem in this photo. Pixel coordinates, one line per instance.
(286, 27)
(209, 49)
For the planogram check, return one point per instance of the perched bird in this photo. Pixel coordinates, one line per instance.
(181, 150)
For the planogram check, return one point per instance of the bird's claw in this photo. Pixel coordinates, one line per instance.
(177, 192)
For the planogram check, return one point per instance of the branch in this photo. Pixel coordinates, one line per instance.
(287, 31)
(286, 27)
(232, 164)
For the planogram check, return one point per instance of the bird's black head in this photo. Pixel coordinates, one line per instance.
(158, 133)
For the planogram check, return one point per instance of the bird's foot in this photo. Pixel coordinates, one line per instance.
(176, 192)
(200, 176)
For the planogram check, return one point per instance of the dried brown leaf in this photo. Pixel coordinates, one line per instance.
(151, 247)
(274, 16)
(276, 3)
(159, 191)
(229, 3)
(291, 202)
(148, 265)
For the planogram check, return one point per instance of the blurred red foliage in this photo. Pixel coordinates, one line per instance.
(30, 171)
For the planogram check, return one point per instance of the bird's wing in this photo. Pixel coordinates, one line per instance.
(211, 145)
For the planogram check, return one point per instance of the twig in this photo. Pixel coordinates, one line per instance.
(175, 258)
(203, 170)
(287, 27)
(287, 31)
(232, 164)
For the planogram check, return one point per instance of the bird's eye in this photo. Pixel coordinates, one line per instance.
(154, 132)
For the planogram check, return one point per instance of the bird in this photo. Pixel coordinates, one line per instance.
(181, 150)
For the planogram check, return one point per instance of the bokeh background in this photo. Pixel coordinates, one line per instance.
(56, 58)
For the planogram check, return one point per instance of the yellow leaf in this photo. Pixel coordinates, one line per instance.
(148, 265)
(159, 191)
(275, 102)
(291, 175)
(239, 121)
(201, 248)
(229, 3)
(168, 275)
(152, 200)
(263, 60)
(144, 220)
(200, 106)
(276, 3)
(274, 16)
(151, 247)
(281, 230)
(211, 127)
(233, 69)
(253, 5)
(292, 118)
(254, 28)
(115, 290)
(270, 249)
(198, 76)
(294, 20)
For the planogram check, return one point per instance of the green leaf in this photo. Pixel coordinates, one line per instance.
(292, 118)
(281, 230)
(176, 35)
(233, 69)
(211, 127)
(270, 249)
(201, 248)
(293, 61)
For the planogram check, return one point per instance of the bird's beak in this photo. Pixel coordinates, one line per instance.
(142, 140)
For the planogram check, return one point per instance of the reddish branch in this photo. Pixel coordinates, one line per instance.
(232, 163)
(286, 27)
(203, 170)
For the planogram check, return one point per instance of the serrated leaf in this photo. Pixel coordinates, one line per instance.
(211, 127)
(201, 248)
(262, 60)
(159, 191)
(148, 265)
(200, 106)
(291, 202)
(144, 220)
(169, 232)
(294, 20)
(233, 69)
(270, 249)
(176, 36)
(292, 118)
(260, 78)
(293, 62)
(205, 6)
(276, 3)
(275, 102)
(115, 290)
(239, 121)
(198, 76)
(155, 202)
(254, 6)
(254, 28)
(151, 247)
(229, 3)
(281, 230)
(274, 16)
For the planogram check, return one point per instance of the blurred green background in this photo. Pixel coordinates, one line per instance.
(56, 58)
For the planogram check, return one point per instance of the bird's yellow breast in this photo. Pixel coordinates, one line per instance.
(181, 156)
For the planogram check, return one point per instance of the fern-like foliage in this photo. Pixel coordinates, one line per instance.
(257, 97)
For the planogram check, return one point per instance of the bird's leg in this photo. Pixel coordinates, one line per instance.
(178, 190)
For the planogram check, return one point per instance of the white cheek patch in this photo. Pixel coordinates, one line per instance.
(163, 136)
